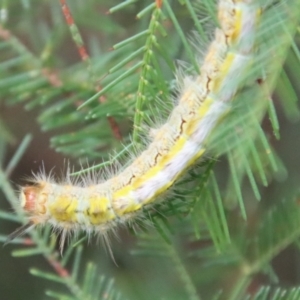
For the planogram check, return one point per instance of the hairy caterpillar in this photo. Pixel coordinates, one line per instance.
(98, 207)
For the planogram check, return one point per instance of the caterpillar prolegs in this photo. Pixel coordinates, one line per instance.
(175, 146)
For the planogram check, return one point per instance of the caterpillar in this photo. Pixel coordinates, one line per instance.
(98, 207)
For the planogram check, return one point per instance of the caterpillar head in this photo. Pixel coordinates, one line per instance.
(33, 200)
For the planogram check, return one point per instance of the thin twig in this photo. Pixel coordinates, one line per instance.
(86, 59)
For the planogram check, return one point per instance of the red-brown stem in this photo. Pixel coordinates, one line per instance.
(159, 3)
(57, 266)
(85, 57)
(49, 74)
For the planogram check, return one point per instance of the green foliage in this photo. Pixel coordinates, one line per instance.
(210, 226)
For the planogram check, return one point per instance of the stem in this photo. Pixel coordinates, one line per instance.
(185, 277)
(77, 38)
(141, 98)
(239, 287)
